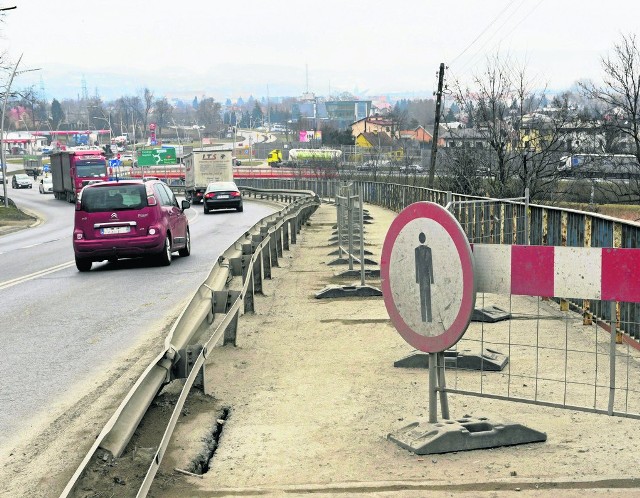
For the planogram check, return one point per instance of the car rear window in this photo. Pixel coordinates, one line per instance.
(215, 186)
(113, 198)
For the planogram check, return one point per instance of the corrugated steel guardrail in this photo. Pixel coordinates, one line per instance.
(255, 251)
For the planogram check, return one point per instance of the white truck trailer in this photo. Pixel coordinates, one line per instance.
(203, 166)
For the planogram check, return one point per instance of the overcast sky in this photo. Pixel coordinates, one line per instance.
(230, 49)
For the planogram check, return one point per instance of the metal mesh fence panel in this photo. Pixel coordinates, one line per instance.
(569, 351)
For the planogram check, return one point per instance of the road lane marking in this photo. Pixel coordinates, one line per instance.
(38, 274)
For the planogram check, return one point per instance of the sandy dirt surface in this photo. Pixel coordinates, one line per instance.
(312, 395)
(304, 403)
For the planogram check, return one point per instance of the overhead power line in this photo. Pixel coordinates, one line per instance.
(482, 32)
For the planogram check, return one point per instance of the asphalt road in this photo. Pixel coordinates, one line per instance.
(61, 327)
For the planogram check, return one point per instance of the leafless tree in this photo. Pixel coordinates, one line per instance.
(522, 143)
(162, 111)
(620, 92)
(618, 98)
(148, 105)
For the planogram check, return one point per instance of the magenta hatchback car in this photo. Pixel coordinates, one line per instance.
(128, 219)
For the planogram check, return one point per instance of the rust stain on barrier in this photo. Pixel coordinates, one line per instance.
(617, 234)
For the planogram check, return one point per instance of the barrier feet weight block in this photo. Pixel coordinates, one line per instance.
(467, 433)
(490, 314)
(333, 291)
(488, 361)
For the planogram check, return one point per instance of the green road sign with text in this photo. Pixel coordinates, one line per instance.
(155, 157)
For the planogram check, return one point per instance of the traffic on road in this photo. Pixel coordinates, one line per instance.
(70, 326)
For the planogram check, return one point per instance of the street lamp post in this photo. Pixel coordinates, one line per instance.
(2, 137)
(235, 135)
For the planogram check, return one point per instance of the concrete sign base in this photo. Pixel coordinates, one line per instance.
(356, 261)
(338, 252)
(468, 433)
(490, 314)
(488, 361)
(368, 273)
(333, 291)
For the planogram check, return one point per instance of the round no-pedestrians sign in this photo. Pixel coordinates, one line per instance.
(427, 277)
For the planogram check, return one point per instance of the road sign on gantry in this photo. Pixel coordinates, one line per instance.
(426, 270)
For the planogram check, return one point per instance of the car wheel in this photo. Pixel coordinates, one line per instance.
(164, 258)
(83, 264)
(240, 208)
(206, 209)
(186, 250)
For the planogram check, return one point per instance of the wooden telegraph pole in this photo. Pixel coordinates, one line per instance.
(436, 126)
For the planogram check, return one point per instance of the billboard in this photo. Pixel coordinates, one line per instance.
(309, 135)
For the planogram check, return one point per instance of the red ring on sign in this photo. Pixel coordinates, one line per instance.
(457, 329)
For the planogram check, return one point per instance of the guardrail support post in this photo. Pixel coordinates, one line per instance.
(248, 298)
(266, 260)
(273, 249)
(257, 275)
(294, 230)
(184, 365)
(278, 233)
(221, 303)
(285, 236)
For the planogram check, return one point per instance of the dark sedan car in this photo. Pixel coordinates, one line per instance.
(21, 181)
(222, 195)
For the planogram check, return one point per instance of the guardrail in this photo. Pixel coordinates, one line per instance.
(250, 257)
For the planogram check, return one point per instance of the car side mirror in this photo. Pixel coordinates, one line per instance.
(185, 205)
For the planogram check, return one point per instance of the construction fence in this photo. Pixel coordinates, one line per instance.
(571, 351)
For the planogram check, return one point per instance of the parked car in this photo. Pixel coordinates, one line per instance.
(411, 168)
(128, 219)
(222, 195)
(368, 166)
(46, 185)
(20, 180)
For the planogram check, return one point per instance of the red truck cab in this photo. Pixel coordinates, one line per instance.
(73, 169)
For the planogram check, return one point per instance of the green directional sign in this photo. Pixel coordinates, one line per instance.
(155, 157)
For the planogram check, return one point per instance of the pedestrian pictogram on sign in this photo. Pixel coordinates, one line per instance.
(427, 277)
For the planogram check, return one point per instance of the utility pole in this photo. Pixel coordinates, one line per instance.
(436, 126)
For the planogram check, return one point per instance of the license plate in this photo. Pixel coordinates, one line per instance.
(112, 230)
(223, 197)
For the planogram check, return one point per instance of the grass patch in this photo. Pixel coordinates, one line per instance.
(621, 211)
(12, 215)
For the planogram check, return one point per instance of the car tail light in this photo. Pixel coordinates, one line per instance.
(151, 200)
(209, 195)
(199, 194)
(235, 194)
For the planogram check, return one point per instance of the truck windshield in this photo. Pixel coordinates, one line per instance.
(91, 168)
